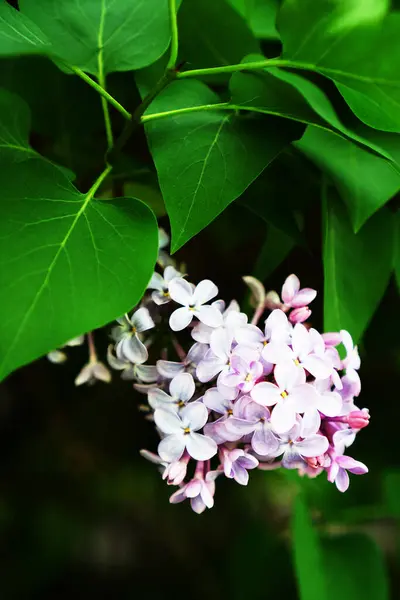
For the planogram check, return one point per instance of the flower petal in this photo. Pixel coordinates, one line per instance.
(142, 320)
(180, 291)
(304, 397)
(170, 273)
(182, 387)
(167, 421)
(168, 368)
(172, 447)
(196, 353)
(200, 447)
(240, 474)
(301, 342)
(146, 373)
(215, 401)
(342, 480)
(205, 291)
(330, 404)
(283, 416)
(180, 318)
(209, 367)
(156, 282)
(264, 442)
(249, 335)
(290, 288)
(265, 393)
(303, 297)
(277, 352)
(159, 399)
(209, 315)
(317, 367)
(313, 445)
(194, 416)
(220, 343)
(133, 349)
(354, 466)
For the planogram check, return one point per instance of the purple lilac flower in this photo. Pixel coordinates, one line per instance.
(200, 490)
(337, 471)
(236, 463)
(300, 443)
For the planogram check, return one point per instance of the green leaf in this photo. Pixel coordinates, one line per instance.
(396, 253)
(354, 568)
(273, 252)
(14, 133)
(293, 97)
(103, 36)
(70, 263)
(18, 35)
(308, 559)
(261, 16)
(357, 267)
(212, 33)
(205, 160)
(365, 181)
(351, 43)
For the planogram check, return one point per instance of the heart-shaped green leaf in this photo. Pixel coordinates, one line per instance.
(205, 160)
(14, 144)
(70, 263)
(103, 36)
(357, 267)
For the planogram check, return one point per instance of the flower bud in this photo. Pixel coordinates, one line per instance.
(332, 338)
(273, 301)
(358, 419)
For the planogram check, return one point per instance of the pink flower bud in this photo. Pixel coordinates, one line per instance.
(358, 419)
(299, 315)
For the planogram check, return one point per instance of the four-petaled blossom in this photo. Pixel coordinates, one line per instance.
(168, 368)
(299, 443)
(130, 371)
(160, 285)
(200, 490)
(181, 433)
(181, 389)
(289, 396)
(244, 375)
(193, 304)
(337, 471)
(275, 339)
(236, 463)
(129, 346)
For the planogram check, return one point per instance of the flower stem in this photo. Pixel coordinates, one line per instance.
(174, 34)
(100, 90)
(98, 183)
(92, 348)
(189, 109)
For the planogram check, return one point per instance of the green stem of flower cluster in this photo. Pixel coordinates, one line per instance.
(174, 35)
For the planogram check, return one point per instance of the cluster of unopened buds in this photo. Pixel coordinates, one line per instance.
(242, 397)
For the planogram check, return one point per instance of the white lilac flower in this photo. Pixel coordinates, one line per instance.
(337, 471)
(92, 371)
(129, 346)
(193, 304)
(274, 340)
(181, 390)
(233, 321)
(131, 371)
(168, 368)
(160, 285)
(181, 433)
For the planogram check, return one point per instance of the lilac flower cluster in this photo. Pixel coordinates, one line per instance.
(242, 397)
